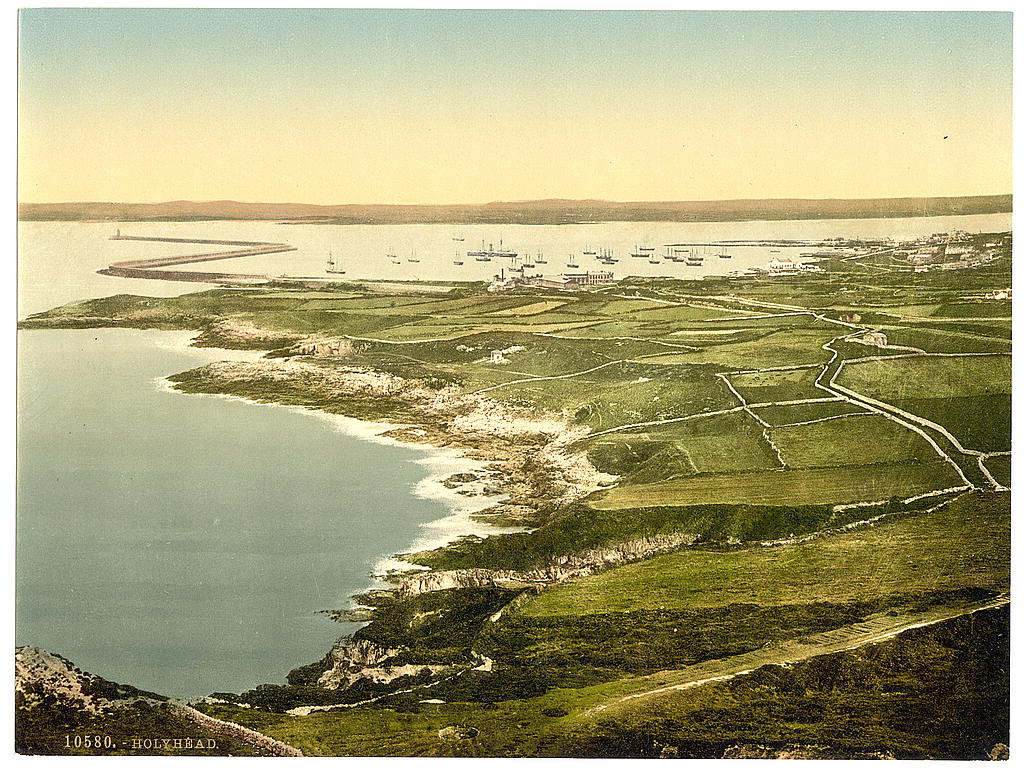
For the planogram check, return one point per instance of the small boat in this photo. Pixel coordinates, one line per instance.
(396, 262)
(725, 256)
(776, 251)
(458, 263)
(332, 267)
(527, 266)
(653, 261)
(458, 238)
(391, 253)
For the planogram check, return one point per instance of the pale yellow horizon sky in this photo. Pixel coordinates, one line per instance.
(335, 107)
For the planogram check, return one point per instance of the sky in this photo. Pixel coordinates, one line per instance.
(437, 107)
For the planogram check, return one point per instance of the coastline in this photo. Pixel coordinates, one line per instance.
(466, 510)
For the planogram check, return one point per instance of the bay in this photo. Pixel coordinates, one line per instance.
(183, 543)
(58, 260)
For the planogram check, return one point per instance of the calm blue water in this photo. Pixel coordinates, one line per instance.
(183, 543)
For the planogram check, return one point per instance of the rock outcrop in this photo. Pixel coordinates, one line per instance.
(355, 660)
(560, 569)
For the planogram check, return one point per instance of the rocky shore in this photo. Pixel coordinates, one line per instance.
(528, 460)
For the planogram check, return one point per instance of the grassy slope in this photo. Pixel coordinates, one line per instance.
(694, 615)
(850, 441)
(965, 544)
(849, 484)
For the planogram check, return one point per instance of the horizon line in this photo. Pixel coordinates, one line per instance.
(519, 201)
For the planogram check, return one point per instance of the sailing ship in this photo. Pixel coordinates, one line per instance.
(695, 258)
(488, 252)
(458, 259)
(539, 259)
(589, 251)
(571, 264)
(412, 258)
(332, 267)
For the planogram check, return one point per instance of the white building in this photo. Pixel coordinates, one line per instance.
(590, 278)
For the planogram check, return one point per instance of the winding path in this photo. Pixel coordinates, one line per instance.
(877, 629)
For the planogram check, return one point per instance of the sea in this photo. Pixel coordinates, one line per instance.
(187, 544)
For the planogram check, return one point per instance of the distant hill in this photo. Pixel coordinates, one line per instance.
(529, 212)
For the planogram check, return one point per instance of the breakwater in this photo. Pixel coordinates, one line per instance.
(152, 268)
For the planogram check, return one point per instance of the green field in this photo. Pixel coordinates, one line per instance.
(999, 467)
(961, 545)
(977, 422)
(787, 348)
(730, 442)
(937, 340)
(969, 396)
(770, 386)
(850, 441)
(799, 413)
(924, 377)
(625, 393)
(849, 484)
